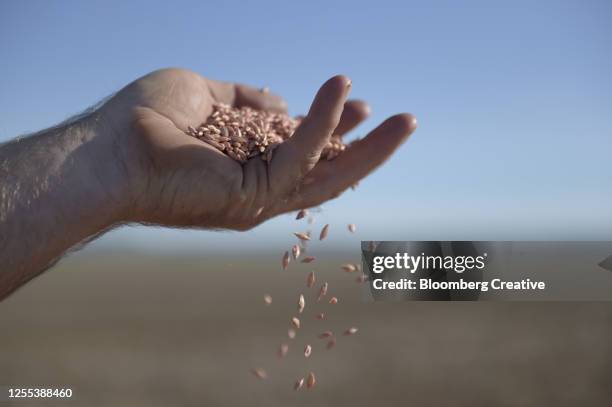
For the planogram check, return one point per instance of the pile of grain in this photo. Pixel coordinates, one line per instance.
(244, 133)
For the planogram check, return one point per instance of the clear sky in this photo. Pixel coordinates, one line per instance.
(514, 99)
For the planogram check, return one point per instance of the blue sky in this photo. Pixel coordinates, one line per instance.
(514, 99)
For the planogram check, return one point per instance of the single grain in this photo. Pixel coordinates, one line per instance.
(324, 232)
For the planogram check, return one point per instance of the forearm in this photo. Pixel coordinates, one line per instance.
(57, 188)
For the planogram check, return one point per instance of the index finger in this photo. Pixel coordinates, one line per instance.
(297, 156)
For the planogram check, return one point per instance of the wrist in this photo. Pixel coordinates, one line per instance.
(61, 187)
(100, 173)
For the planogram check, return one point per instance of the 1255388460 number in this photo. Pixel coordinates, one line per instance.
(37, 392)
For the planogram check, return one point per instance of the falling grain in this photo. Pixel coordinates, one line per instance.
(291, 333)
(298, 384)
(301, 305)
(320, 316)
(310, 280)
(348, 267)
(259, 373)
(311, 381)
(333, 300)
(302, 236)
(295, 322)
(301, 214)
(295, 250)
(268, 299)
(350, 331)
(307, 351)
(324, 232)
(308, 259)
(331, 343)
(323, 291)
(286, 260)
(352, 227)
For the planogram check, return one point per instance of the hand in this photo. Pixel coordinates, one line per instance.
(176, 180)
(131, 161)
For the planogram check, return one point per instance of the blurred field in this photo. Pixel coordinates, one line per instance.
(128, 329)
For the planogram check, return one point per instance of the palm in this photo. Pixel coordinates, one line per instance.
(190, 183)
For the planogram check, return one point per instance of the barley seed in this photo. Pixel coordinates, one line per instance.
(291, 333)
(333, 300)
(268, 299)
(310, 280)
(348, 267)
(324, 232)
(320, 316)
(282, 350)
(298, 384)
(304, 237)
(323, 291)
(295, 322)
(286, 260)
(307, 351)
(308, 259)
(301, 304)
(352, 228)
(350, 331)
(311, 381)
(301, 214)
(259, 373)
(295, 250)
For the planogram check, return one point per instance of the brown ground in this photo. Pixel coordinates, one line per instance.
(139, 330)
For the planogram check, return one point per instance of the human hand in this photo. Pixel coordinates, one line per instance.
(174, 179)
